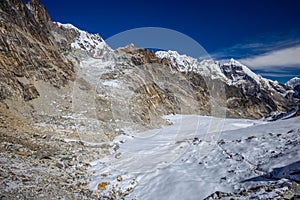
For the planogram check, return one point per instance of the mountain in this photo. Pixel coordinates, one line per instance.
(247, 94)
(293, 82)
(65, 95)
(30, 50)
(39, 52)
(93, 44)
(79, 75)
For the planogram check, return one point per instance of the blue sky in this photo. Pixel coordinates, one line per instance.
(264, 34)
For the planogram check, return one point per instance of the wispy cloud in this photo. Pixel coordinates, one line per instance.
(239, 51)
(272, 55)
(278, 75)
(259, 45)
(275, 60)
(265, 74)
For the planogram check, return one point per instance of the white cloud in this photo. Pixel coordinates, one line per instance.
(288, 57)
(278, 75)
(260, 45)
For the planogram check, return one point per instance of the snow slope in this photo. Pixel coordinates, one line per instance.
(244, 69)
(181, 161)
(238, 74)
(232, 72)
(92, 43)
(293, 82)
(185, 63)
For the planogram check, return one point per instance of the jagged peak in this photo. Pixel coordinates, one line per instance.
(172, 53)
(293, 82)
(235, 63)
(184, 63)
(180, 59)
(236, 71)
(91, 43)
(230, 62)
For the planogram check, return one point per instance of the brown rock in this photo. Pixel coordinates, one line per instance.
(102, 186)
(29, 50)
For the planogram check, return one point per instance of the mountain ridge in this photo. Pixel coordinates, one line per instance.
(65, 96)
(256, 96)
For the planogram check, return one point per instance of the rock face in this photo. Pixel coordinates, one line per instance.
(131, 86)
(252, 95)
(145, 87)
(29, 51)
(294, 83)
(246, 94)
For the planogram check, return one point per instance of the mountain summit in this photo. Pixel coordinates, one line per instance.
(293, 82)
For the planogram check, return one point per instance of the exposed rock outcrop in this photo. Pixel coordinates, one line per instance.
(34, 49)
(246, 94)
(29, 51)
(250, 95)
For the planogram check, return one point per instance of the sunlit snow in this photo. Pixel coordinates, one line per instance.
(177, 162)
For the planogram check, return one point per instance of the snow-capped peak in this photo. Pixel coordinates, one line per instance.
(238, 73)
(68, 26)
(91, 43)
(184, 63)
(293, 82)
(230, 71)
(232, 62)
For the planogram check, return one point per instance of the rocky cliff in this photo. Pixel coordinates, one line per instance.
(245, 94)
(77, 73)
(30, 51)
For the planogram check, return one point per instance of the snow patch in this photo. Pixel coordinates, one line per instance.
(293, 82)
(246, 70)
(92, 43)
(184, 63)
